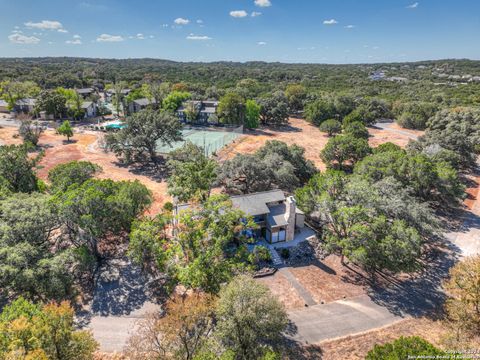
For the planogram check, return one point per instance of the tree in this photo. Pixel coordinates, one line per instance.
(97, 209)
(29, 264)
(74, 101)
(250, 320)
(16, 168)
(231, 109)
(415, 114)
(248, 88)
(191, 111)
(156, 91)
(52, 103)
(180, 333)
(457, 130)
(373, 110)
(31, 331)
(199, 254)
(357, 130)
(142, 133)
(30, 132)
(65, 129)
(273, 165)
(274, 109)
(428, 180)
(296, 95)
(463, 304)
(192, 173)
(331, 127)
(320, 110)
(343, 151)
(404, 348)
(173, 101)
(376, 225)
(62, 176)
(12, 91)
(118, 96)
(252, 114)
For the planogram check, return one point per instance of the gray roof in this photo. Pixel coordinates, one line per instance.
(28, 102)
(276, 217)
(256, 204)
(85, 90)
(143, 102)
(86, 104)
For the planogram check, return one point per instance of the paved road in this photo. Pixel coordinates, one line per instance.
(386, 126)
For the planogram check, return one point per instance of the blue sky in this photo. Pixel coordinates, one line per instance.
(320, 31)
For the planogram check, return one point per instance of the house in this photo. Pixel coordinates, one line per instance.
(25, 106)
(4, 106)
(90, 109)
(277, 216)
(85, 92)
(111, 92)
(204, 109)
(139, 104)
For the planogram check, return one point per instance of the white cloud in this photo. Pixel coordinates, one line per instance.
(198, 37)
(74, 42)
(151, 37)
(263, 3)
(76, 36)
(261, 43)
(62, 30)
(109, 38)
(140, 36)
(18, 38)
(330, 22)
(413, 6)
(349, 26)
(181, 21)
(255, 13)
(238, 13)
(46, 25)
(199, 21)
(165, 25)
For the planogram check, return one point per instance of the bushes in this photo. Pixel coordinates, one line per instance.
(331, 127)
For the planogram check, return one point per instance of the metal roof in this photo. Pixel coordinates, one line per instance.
(276, 217)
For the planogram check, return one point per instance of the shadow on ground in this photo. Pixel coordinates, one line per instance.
(422, 294)
(121, 288)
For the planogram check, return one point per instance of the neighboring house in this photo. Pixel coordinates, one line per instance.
(111, 92)
(139, 104)
(86, 92)
(90, 109)
(25, 106)
(205, 109)
(3, 106)
(377, 75)
(277, 216)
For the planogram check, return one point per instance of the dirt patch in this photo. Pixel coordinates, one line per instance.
(84, 146)
(283, 290)
(308, 136)
(472, 192)
(329, 280)
(357, 347)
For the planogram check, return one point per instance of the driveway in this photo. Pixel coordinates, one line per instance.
(340, 318)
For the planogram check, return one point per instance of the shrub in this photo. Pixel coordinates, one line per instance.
(285, 253)
(331, 127)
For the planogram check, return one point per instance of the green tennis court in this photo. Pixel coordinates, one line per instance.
(210, 140)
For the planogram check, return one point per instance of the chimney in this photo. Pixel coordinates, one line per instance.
(290, 207)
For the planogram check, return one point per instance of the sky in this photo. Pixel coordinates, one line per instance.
(313, 31)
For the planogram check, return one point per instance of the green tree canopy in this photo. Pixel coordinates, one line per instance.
(250, 320)
(343, 151)
(274, 109)
(142, 133)
(65, 129)
(252, 114)
(331, 127)
(192, 173)
(231, 109)
(404, 348)
(17, 168)
(62, 176)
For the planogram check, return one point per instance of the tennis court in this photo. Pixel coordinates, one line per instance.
(210, 140)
